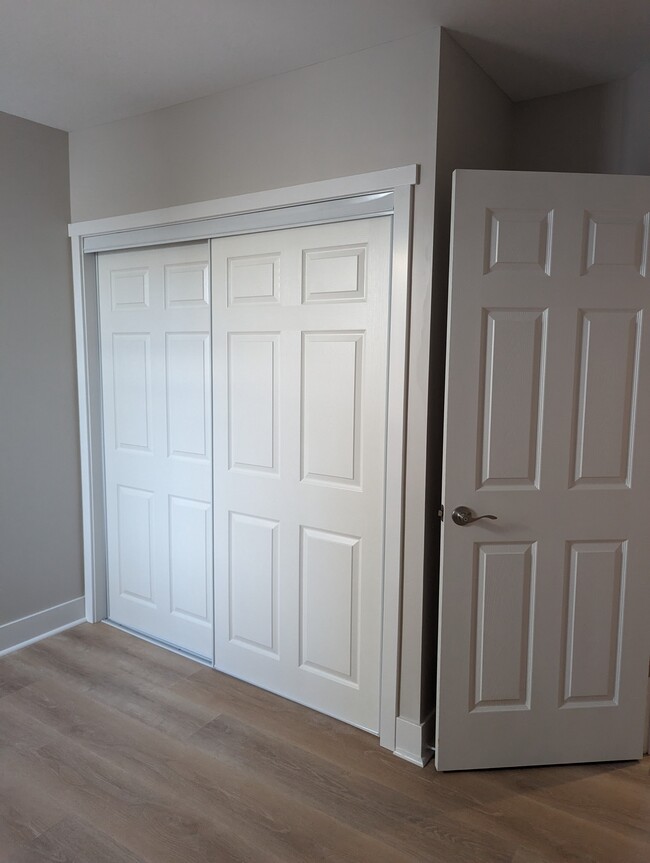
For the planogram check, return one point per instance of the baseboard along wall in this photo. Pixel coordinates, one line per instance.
(413, 740)
(34, 627)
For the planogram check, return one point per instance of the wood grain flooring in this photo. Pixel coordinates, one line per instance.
(116, 751)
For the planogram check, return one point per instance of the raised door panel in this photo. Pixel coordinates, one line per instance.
(187, 285)
(253, 582)
(331, 407)
(518, 239)
(134, 543)
(514, 356)
(187, 369)
(253, 403)
(615, 240)
(129, 289)
(334, 274)
(253, 279)
(329, 604)
(595, 586)
(190, 558)
(606, 396)
(131, 356)
(504, 589)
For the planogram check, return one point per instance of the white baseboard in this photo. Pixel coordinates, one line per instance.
(27, 630)
(412, 740)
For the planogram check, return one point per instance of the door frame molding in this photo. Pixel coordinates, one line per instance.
(188, 222)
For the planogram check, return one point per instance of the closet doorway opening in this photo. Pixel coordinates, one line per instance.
(242, 409)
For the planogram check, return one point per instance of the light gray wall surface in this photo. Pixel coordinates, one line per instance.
(362, 112)
(367, 111)
(40, 509)
(579, 131)
(636, 123)
(603, 129)
(474, 130)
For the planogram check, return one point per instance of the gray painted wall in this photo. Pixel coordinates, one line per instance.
(636, 123)
(371, 110)
(366, 111)
(474, 130)
(40, 509)
(603, 129)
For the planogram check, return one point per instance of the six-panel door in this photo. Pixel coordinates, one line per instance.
(543, 653)
(300, 328)
(155, 344)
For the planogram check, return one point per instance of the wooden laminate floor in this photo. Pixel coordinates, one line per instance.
(116, 751)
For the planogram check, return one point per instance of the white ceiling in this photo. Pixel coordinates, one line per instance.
(75, 63)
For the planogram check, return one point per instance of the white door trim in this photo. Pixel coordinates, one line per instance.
(400, 181)
(322, 190)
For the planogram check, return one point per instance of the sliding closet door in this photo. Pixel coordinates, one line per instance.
(300, 328)
(155, 345)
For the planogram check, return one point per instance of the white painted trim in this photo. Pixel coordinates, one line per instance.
(90, 435)
(84, 423)
(397, 180)
(412, 740)
(395, 463)
(322, 190)
(314, 213)
(36, 627)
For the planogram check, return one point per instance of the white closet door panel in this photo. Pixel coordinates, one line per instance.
(156, 380)
(300, 324)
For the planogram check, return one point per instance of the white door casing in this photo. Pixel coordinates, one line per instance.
(155, 349)
(543, 647)
(300, 338)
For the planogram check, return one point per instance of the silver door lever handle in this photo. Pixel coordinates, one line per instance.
(463, 515)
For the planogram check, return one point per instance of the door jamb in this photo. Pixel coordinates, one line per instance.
(399, 181)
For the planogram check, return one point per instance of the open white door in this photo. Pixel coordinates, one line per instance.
(543, 653)
(300, 324)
